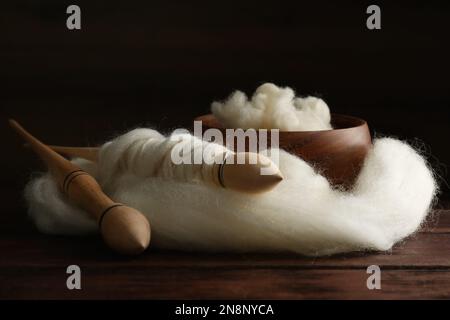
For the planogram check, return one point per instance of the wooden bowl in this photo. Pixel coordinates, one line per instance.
(338, 154)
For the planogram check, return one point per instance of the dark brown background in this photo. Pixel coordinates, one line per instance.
(161, 63)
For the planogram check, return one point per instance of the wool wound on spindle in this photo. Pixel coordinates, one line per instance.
(303, 214)
(186, 158)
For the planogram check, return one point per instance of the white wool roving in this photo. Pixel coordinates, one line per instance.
(303, 214)
(272, 107)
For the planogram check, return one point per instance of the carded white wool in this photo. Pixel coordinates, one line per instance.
(272, 107)
(303, 214)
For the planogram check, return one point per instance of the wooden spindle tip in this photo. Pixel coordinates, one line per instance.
(248, 176)
(13, 123)
(125, 230)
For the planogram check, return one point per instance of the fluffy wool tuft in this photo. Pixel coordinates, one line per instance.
(303, 214)
(272, 107)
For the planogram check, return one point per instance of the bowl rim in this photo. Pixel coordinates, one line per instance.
(356, 123)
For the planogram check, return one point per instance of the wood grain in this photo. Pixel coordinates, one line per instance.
(34, 267)
(264, 283)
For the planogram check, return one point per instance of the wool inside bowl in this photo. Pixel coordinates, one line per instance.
(338, 154)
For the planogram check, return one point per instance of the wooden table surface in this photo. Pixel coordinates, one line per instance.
(33, 266)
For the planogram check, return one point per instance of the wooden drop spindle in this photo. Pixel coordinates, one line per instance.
(124, 229)
(245, 177)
